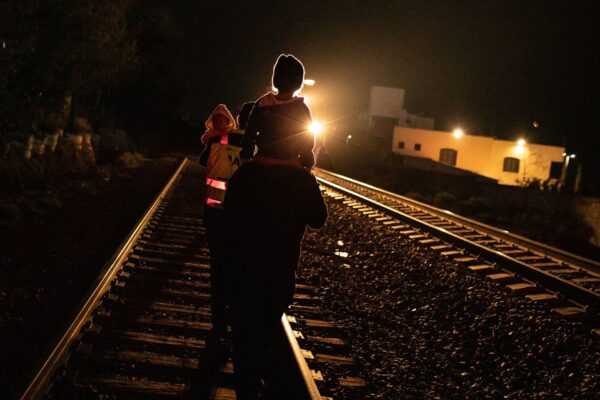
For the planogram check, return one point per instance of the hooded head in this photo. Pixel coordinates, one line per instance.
(288, 73)
(220, 119)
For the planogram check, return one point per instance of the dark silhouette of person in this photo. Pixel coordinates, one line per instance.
(267, 209)
(221, 158)
(279, 123)
(269, 203)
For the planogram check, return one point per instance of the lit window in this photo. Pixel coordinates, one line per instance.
(417, 146)
(511, 164)
(400, 145)
(448, 156)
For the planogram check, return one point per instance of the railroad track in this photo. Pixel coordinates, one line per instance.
(142, 330)
(539, 271)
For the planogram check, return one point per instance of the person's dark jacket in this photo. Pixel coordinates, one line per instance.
(267, 210)
(280, 131)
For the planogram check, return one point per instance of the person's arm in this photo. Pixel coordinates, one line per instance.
(307, 157)
(250, 135)
(317, 209)
(204, 155)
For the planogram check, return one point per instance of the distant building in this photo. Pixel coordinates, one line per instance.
(507, 161)
(386, 111)
(417, 121)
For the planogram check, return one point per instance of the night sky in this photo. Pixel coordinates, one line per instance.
(492, 67)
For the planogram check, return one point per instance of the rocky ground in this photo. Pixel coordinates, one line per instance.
(423, 327)
(420, 326)
(48, 264)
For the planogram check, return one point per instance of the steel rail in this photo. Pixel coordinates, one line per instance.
(562, 286)
(591, 266)
(39, 385)
(304, 387)
(300, 362)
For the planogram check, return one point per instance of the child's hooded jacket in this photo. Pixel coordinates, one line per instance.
(221, 157)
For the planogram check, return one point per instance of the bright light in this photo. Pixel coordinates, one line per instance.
(521, 142)
(564, 154)
(572, 155)
(458, 133)
(349, 136)
(309, 82)
(520, 149)
(315, 128)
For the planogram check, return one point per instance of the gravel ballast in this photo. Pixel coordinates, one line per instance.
(424, 327)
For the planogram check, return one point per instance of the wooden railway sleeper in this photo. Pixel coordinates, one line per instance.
(510, 250)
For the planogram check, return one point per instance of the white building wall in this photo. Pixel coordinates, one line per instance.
(386, 102)
(480, 154)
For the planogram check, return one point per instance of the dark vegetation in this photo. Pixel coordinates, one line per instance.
(541, 215)
(110, 62)
(90, 95)
(110, 74)
(52, 257)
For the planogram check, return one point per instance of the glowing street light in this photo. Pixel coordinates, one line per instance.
(309, 82)
(458, 133)
(315, 128)
(568, 158)
(520, 148)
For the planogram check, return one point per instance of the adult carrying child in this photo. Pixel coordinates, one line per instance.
(270, 202)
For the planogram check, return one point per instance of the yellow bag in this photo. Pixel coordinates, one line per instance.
(224, 159)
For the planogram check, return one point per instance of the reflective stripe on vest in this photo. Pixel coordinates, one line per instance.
(216, 183)
(213, 203)
(215, 192)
